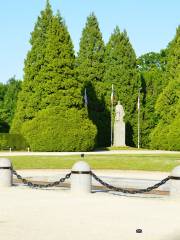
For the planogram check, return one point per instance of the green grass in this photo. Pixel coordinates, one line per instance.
(159, 162)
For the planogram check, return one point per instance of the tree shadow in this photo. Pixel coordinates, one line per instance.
(143, 89)
(99, 115)
(129, 134)
(4, 127)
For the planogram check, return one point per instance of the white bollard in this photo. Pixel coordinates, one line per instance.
(81, 178)
(175, 183)
(5, 173)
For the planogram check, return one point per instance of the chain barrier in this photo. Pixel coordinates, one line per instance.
(35, 185)
(105, 184)
(124, 190)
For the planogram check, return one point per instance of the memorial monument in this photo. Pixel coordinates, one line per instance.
(119, 126)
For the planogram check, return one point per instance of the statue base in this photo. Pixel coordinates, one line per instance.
(119, 134)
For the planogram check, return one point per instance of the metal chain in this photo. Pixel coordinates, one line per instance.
(34, 185)
(123, 190)
(107, 185)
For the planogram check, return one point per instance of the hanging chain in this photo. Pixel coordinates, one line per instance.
(124, 190)
(35, 185)
(107, 185)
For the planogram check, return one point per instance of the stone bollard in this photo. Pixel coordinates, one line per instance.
(5, 173)
(81, 178)
(175, 183)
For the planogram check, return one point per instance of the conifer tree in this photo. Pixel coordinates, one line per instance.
(151, 67)
(30, 96)
(4, 126)
(59, 86)
(120, 70)
(166, 134)
(60, 123)
(90, 68)
(91, 52)
(8, 107)
(173, 55)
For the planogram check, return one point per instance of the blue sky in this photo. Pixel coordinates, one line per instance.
(150, 25)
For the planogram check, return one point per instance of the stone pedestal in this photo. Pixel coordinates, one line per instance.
(119, 126)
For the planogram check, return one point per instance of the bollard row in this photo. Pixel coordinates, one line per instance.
(81, 179)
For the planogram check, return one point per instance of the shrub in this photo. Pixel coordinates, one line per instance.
(55, 129)
(15, 141)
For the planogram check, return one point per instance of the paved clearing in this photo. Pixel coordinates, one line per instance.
(56, 214)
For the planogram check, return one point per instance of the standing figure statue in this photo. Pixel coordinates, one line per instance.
(119, 126)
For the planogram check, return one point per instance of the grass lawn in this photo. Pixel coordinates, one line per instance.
(159, 162)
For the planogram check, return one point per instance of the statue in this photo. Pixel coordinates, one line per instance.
(119, 126)
(119, 112)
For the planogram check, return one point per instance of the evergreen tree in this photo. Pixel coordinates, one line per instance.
(30, 96)
(3, 89)
(56, 123)
(167, 132)
(90, 68)
(173, 55)
(4, 126)
(91, 53)
(120, 70)
(59, 86)
(8, 106)
(152, 69)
